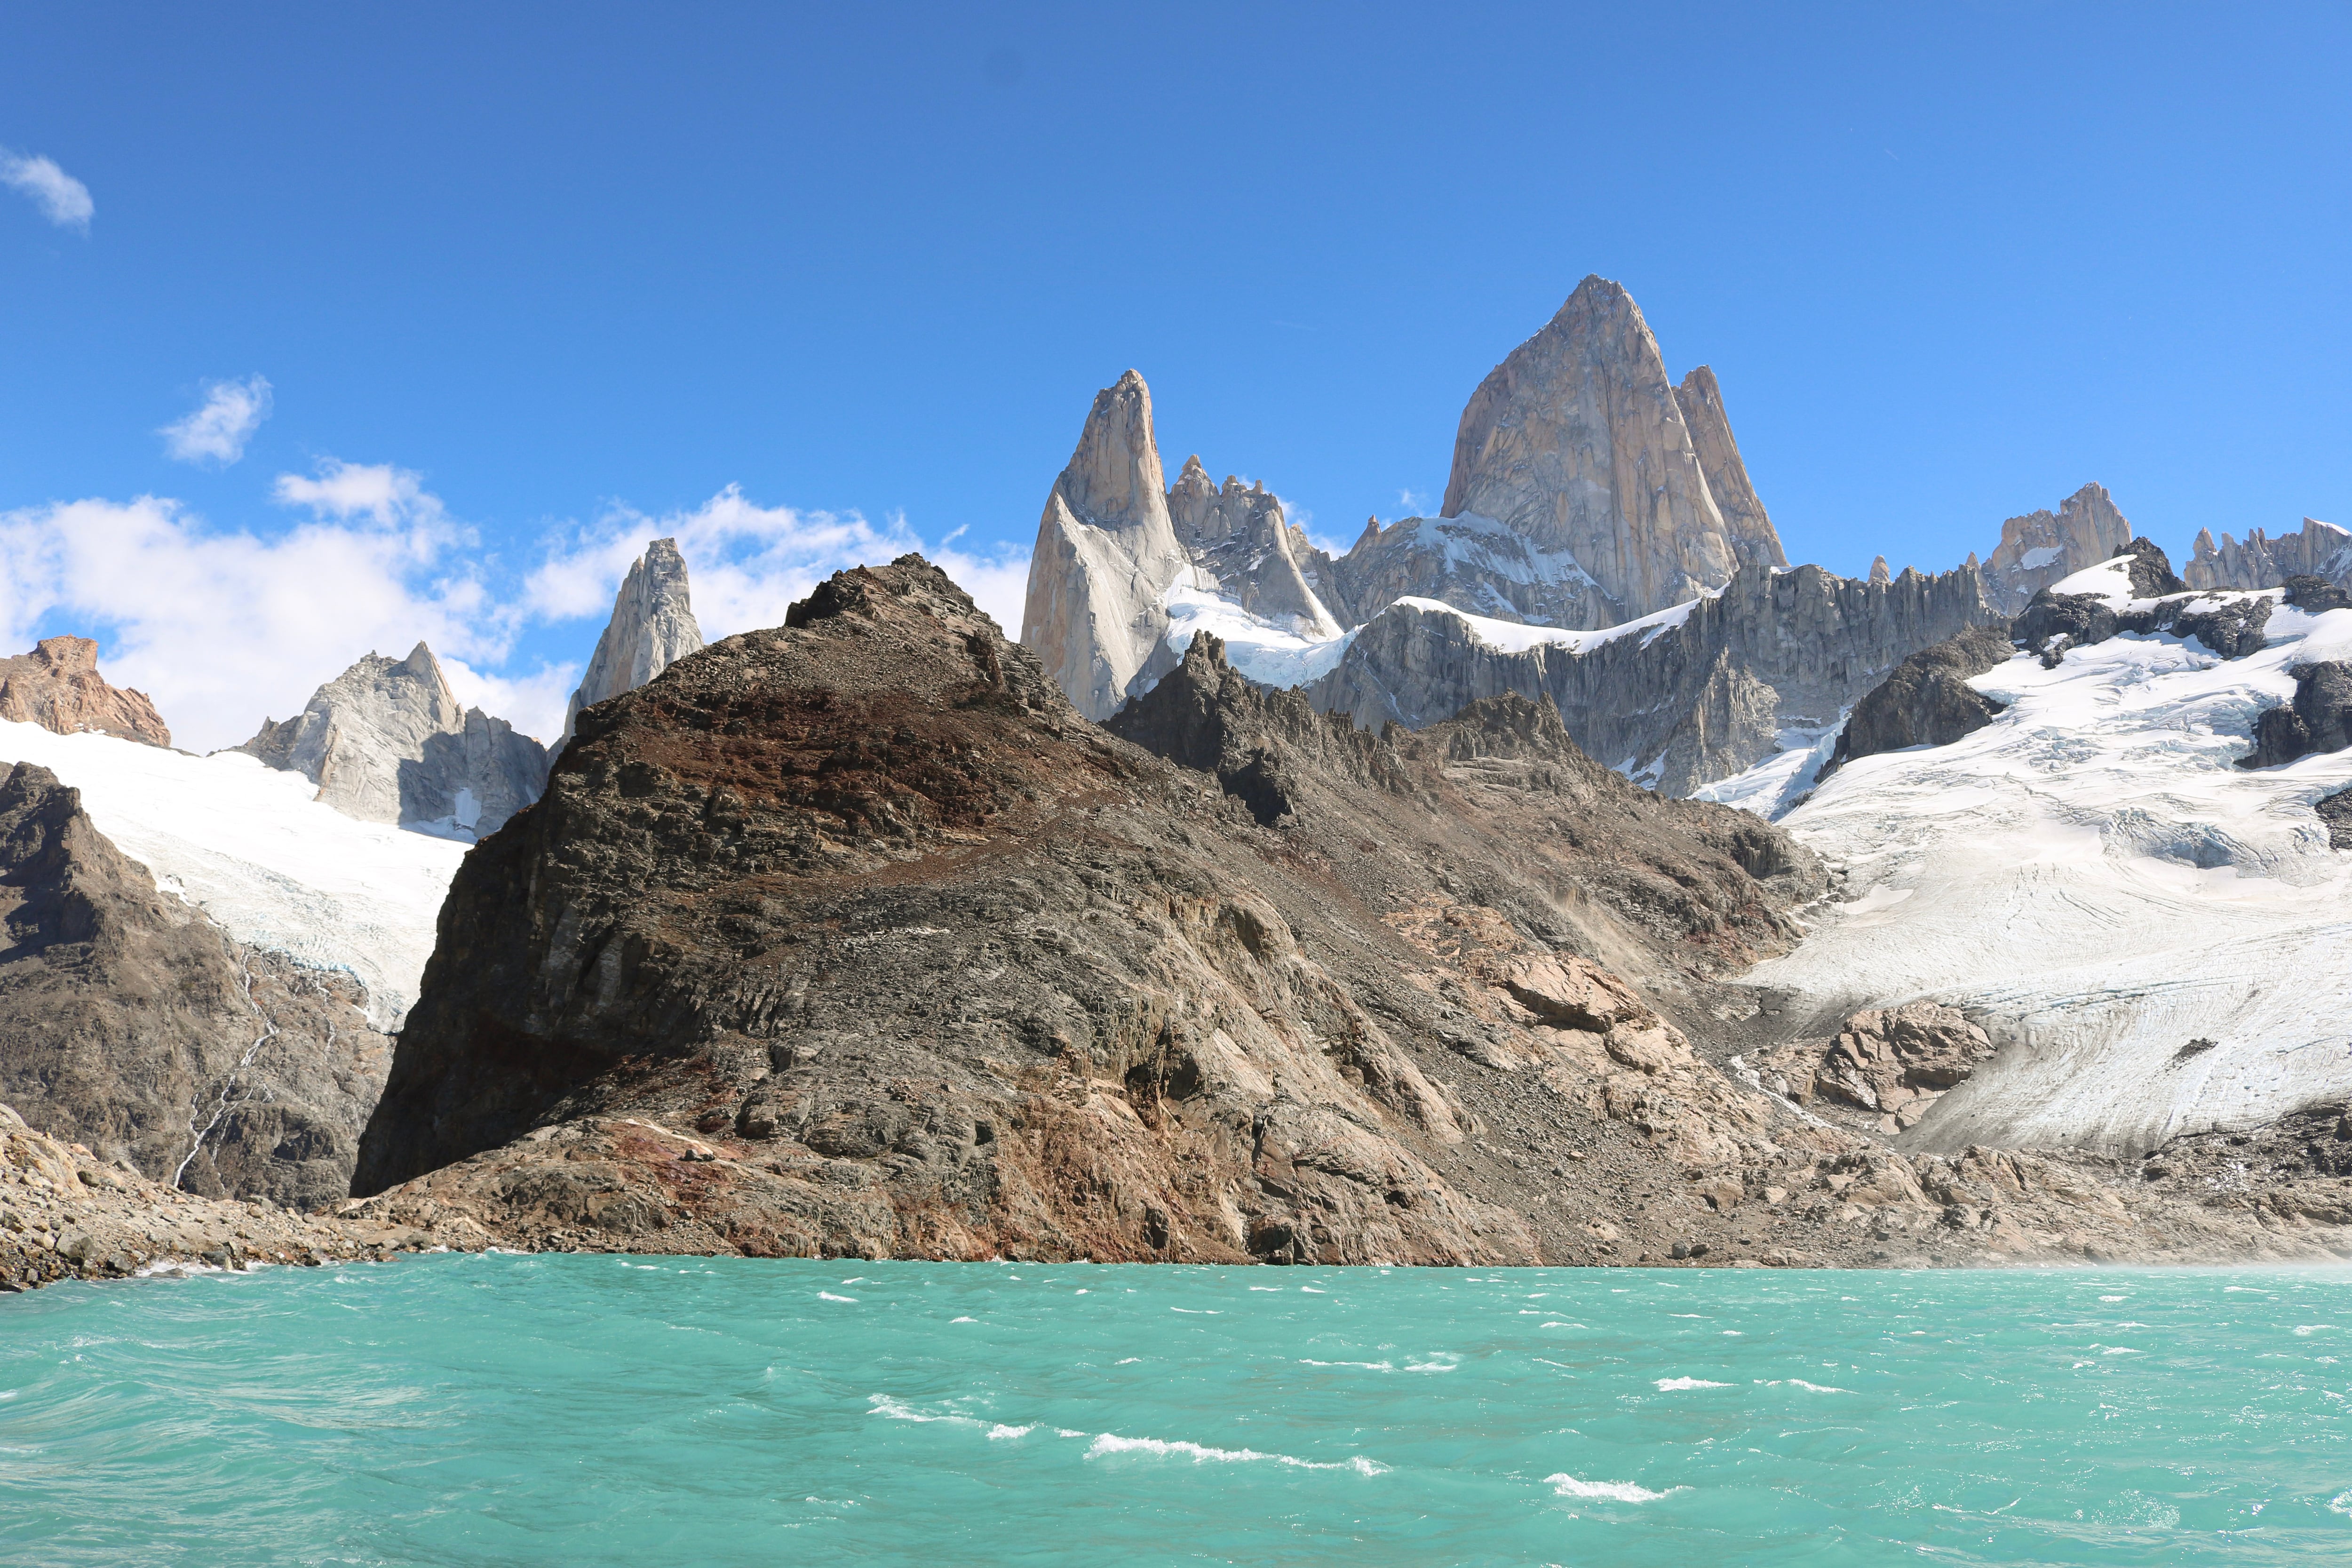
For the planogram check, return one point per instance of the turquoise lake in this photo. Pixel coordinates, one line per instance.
(591, 1410)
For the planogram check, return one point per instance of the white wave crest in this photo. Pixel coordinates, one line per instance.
(1800, 1383)
(829, 1296)
(1677, 1384)
(1566, 1485)
(1202, 1453)
(899, 1410)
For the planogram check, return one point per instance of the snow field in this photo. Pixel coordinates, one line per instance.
(249, 846)
(2093, 879)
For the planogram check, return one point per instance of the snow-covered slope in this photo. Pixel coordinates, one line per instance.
(2093, 877)
(249, 846)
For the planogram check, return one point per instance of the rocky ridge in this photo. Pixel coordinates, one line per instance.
(2317, 549)
(651, 629)
(1685, 700)
(1587, 489)
(387, 741)
(57, 686)
(853, 939)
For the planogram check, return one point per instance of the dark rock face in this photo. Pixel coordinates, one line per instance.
(2319, 719)
(2317, 594)
(2231, 625)
(1687, 703)
(932, 967)
(2335, 811)
(2152, 576)
(130, 1023)
(2054, 622)
(1927, 701)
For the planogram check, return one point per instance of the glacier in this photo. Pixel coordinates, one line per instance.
(2160, 939)
(252, 848)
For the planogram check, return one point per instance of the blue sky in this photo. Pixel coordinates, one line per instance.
(526, 284)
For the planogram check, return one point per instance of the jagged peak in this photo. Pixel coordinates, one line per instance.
(1114, 477)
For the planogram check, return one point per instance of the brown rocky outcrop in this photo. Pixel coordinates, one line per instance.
(1890, 1062)
(57, 686)
(850, 937)
(131, 1023)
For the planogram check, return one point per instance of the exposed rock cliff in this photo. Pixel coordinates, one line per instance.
(1164, 1035)
(131, 1023)
(386, 742)
(1693, 695)
(1753, 538)
(653, 627)
(1106, 554)
(1576, 443)
(1240, 544)
(1587, 489)
(2319, 719)
(2316, 550)
(57, 686)
(2041, 547)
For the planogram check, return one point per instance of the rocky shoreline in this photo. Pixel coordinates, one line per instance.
(67, 1215)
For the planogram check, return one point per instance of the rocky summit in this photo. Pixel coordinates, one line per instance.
(57, 686)
(853, 937)
(652, 627)
(1578, 443)
(387, 741)
(1587, 489)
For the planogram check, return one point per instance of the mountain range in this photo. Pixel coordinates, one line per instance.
(1564, 877)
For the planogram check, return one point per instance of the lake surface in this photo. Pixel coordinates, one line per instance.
(586, 1410)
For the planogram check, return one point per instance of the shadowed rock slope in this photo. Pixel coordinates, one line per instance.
(851, 937)
(132, 1024)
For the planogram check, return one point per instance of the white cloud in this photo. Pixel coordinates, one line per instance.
(216, 432)
(63, 200)
(224, 627)
(747, 563)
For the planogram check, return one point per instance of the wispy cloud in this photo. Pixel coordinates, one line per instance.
(63, 200)
(217, 431)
